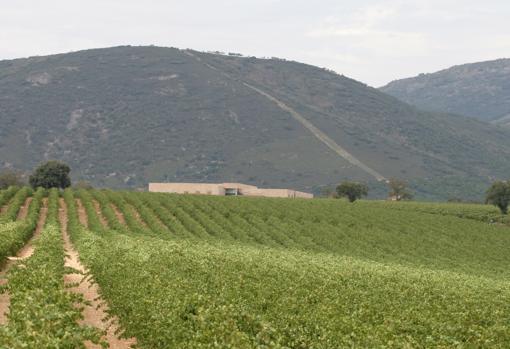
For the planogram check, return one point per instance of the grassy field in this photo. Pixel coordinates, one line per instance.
(218, 272)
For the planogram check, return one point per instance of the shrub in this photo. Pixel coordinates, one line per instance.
(352, 190)
(52, 174)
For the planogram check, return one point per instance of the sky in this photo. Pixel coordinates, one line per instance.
(371, 41)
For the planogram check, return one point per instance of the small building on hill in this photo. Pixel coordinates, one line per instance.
(225, 189)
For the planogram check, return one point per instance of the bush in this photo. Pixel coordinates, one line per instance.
(399, 190)
(52, 174)
(499, 195)
(352, 190)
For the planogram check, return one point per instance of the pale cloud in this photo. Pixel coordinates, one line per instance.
(367, 28)
(374, 41)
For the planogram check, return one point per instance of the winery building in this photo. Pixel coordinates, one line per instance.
(225, 189)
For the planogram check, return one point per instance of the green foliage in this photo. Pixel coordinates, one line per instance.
(13, 235)
(153, 136)
(6, 195)
(278, 273)
(352, 190)
(499, 195)
(398, 190)
(10, 178)
(42, 312)
(189, 271)
(93, 219)
(14, 206)
(481, 90)
(52, 174)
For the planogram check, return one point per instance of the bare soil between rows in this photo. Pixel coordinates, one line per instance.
(95, 313)
(99, 213)
(137, 216)
(23, 211)
(82, 214)
(118, 214)
(25, 252)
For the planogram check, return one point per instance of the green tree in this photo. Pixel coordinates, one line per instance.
(10, 178)
(52, 174)
(398, 190)
(352, 190)
(499, 195)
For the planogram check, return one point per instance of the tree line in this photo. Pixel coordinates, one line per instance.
(55, 174)
(51, 174)
(498, 193)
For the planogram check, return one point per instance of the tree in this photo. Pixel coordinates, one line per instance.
(499, 195)
(398, 190)
(352, 190)
(52, 174)
(9, 178)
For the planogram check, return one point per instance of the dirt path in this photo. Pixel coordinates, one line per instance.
(23, 211)
(96, 311)
(119, 214)
(82, 214)
(3, 208)
(319, 134)
(137, 216)
(24, 253)
(103, 220)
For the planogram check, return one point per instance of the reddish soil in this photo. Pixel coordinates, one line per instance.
(103, 220)
(23, 211)
(24, 253)
(119, 214)
(137, 216)
(82, 214)
(96, 311)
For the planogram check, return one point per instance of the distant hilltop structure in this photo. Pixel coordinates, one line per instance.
(225, 189)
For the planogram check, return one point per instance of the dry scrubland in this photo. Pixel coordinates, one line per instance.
(216, 272)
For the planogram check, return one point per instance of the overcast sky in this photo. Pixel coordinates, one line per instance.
(372, 41)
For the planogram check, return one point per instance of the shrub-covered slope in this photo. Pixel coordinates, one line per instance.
(128, 115)
(479, 90)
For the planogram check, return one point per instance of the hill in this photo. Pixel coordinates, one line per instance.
(124, 116)
(479, 90)
(196, 271)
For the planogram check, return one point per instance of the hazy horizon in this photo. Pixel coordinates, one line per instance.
(371, 41)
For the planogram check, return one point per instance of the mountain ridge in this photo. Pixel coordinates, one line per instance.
(126, 115)
(480, 90)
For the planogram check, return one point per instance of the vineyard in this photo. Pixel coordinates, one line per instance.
(190, 271)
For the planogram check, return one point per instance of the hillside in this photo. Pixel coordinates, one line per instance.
(185, 271)
(128, 115)
(479, 90)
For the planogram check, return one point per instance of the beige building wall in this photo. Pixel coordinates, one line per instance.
(301, 194)
(241, 186)
(219, 189)
(187, 188)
